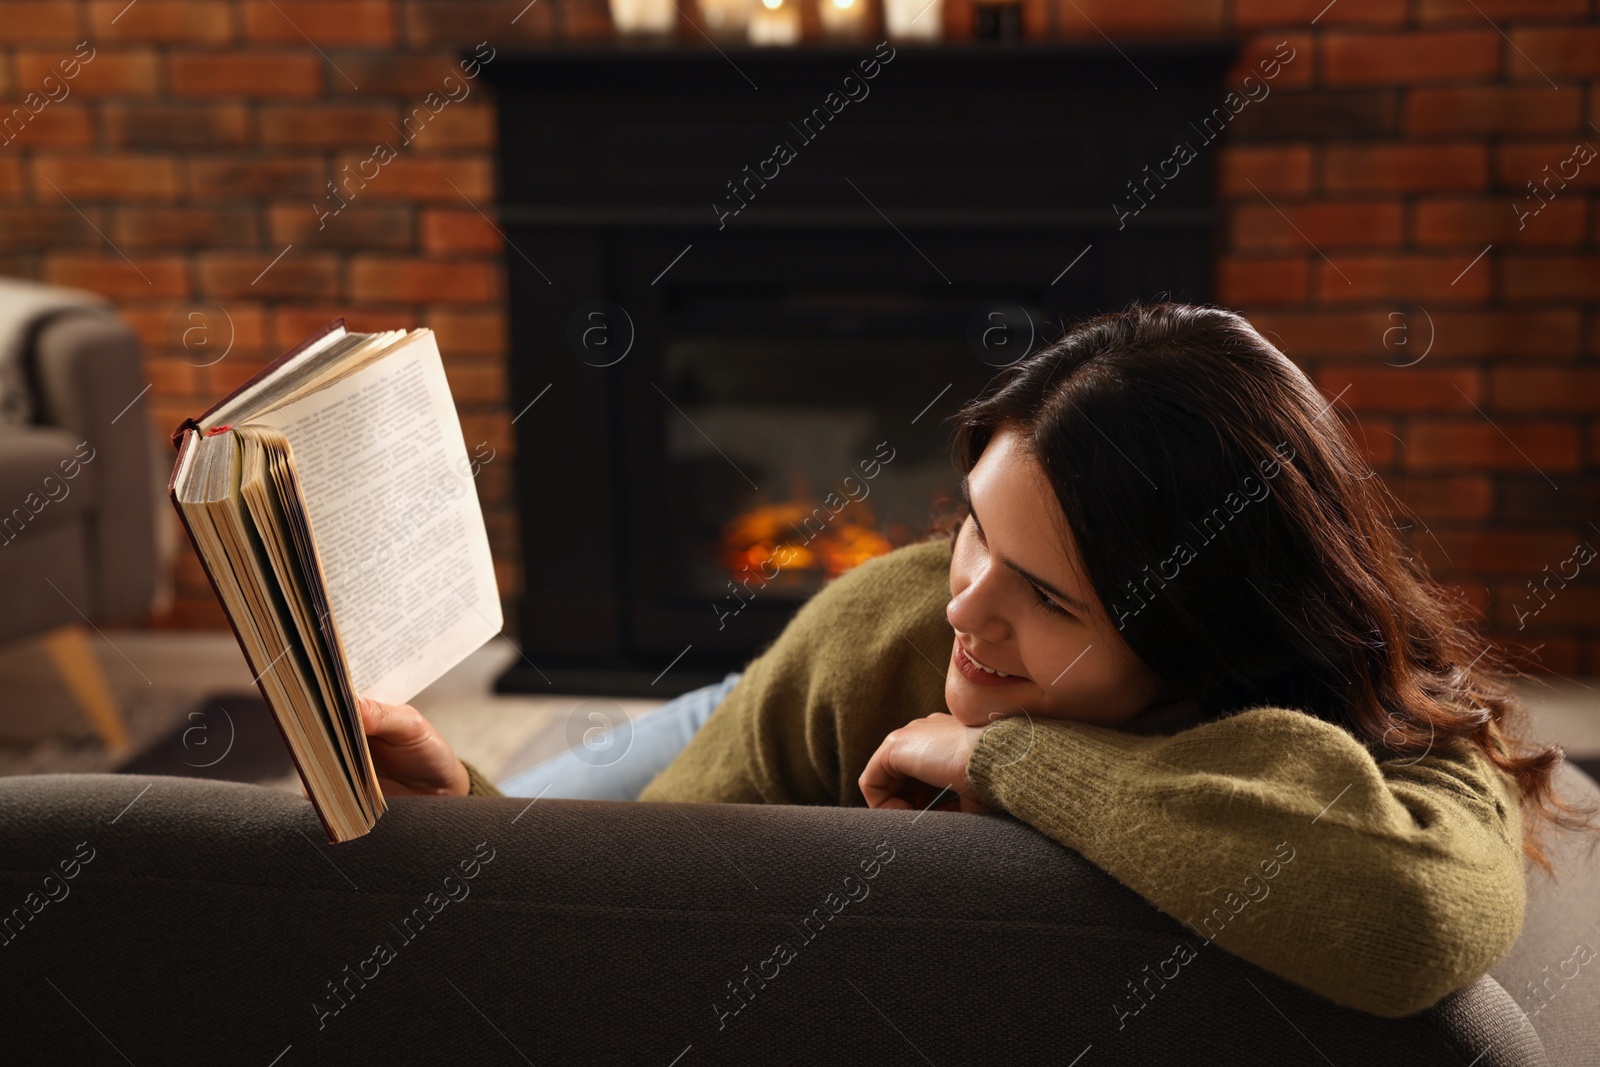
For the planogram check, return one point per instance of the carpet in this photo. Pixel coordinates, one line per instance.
(229, 736)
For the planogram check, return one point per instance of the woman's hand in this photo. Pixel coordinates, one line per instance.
(411, 757)
(917, 762)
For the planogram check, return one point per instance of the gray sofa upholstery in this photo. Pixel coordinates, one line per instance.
(96, 543)
(209, 922)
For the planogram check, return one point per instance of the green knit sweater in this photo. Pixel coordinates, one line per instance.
(1379, 883)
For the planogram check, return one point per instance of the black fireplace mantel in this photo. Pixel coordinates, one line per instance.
(959, 174)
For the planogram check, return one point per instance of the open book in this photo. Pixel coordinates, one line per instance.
(331, 501)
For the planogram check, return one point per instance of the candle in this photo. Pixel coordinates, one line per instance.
(725, 18)
(775, 22)
(912, 19)
(843, 18)
(643, 16)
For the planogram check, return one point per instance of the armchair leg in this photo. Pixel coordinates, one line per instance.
(68, 649)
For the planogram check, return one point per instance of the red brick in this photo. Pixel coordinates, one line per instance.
(1396, 388)
(144, 277)
(1473, 444)
(1409, 58)
(458, 231)
(1289, 227)
(585, 20)
(376, 279)
(1374, 438)
(356, 228)
(1500, 333)
(1447, 498)
(403, 75)
(184, 227)
(256, 74)
(1261, 281)
(39, 22)
(469, 331)
(1089, 18)
(1402, 277)
(54, 126)
(1541, 53)
(1494, 109)
(156, 125)
(48, 227)
(1396, 167)
(198, 331)
(1475, 11)
(161, 21)
(482, 382)
(323, 22)
(1554, 167)
(1303, 334)
(1533, 603)
(466, 22)
(171, 376)
(135, 72)
(1475, 223)
(229, 178)
(291, 325)
(494, 429)
(1298, 13)
(1546, 278)
(328, 125)
(408, 178)
(1496, 551)
(453, 127)
(10, 179)
(1549, 654)
(1280, 169)
(106, 177)
(230, 274)
(1257, 48)
(1545, 389)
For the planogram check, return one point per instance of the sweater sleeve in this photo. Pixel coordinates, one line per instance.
(863, 656)
(478, 783)
(1379, 885)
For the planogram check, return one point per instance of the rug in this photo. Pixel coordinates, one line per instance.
(228, 736)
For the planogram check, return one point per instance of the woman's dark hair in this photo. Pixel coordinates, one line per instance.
(1242, 546)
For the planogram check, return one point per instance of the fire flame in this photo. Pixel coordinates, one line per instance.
(778, 533)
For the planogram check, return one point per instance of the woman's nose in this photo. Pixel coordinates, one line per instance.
(973, 611)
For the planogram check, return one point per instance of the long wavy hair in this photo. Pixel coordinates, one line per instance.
(1243, 547)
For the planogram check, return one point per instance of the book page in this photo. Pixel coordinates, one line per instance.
(394, 511)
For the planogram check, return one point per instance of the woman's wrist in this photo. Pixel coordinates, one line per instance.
(478, 784)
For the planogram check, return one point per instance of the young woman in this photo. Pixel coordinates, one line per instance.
(1173, 629)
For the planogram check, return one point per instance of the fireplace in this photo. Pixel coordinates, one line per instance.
(747, 288)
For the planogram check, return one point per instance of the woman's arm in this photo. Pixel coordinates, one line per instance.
(1382, 886)
(867, 653)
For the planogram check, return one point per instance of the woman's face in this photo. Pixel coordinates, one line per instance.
(1023, 607)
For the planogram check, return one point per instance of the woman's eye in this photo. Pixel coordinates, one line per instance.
(1046, 603)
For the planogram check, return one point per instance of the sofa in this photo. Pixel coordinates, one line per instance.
(78, 492)
(175, 920)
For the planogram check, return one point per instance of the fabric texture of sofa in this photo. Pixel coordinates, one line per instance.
(173, 920)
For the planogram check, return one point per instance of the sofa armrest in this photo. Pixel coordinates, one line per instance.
(210, 920)
(87, 369)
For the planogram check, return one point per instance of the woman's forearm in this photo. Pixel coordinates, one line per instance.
(1382, 886)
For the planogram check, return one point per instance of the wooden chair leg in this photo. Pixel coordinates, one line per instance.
(68, 649)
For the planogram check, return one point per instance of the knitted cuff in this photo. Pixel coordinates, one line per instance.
(480, 785)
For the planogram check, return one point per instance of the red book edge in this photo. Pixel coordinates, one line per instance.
(178, 441)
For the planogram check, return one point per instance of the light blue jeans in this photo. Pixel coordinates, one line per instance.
(617, 763)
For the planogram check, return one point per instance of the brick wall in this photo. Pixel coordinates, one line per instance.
(1359, 195)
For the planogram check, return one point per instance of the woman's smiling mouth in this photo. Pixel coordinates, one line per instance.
(979, 673)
